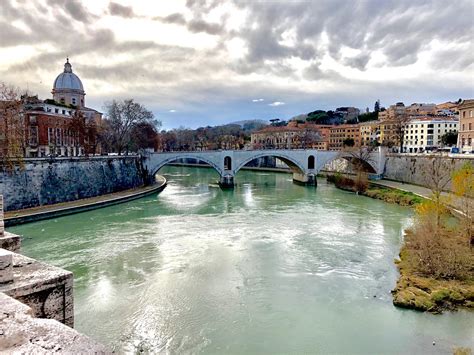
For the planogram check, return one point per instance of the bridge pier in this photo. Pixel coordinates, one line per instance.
(226, 182)
(305, 179)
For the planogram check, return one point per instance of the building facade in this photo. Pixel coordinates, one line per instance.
(424, 133)
(466, 126)
(293, 136)
(340, 134)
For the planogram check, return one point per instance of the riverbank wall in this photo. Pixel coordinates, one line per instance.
(416, 169)
(42, 181)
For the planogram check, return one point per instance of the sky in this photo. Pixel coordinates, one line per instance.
(197, 63)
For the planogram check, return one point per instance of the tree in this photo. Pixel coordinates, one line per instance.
(463, 189)
(377, 106)
(122, 117)
(12, 127)
(449, 138)
(437, 177)
(143, 136)
(348, 142)
(360, 158)
(77, 129)
(399, 124)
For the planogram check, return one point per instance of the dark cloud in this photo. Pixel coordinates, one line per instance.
(195, 25)
(315, 73)
(173, 18)
(203, 26)
(116, 9)
(74, 8)
(359, 61)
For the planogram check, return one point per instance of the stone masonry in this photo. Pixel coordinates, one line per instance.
(48, 181)
(413, 169)
(22, 333)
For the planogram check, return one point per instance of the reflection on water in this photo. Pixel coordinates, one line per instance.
(267, 267)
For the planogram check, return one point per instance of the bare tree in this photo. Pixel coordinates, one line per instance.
(12, 127)
(437, 177)
(399, 124)
(122, 116)
(361, 158)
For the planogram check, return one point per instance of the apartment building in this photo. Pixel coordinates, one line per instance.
(425, 133)
(341, 133)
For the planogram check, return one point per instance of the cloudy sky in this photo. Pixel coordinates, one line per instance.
(196, 62)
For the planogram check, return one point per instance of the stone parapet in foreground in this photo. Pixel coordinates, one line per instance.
(46, 289)
(22, 333)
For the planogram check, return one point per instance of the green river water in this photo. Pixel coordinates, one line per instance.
(270, 267)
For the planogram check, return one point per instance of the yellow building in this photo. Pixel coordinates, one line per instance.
(369, 133)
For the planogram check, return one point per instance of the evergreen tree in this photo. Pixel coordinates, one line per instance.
(377, 106)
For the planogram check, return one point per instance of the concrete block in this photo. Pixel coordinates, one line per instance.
(6, 266)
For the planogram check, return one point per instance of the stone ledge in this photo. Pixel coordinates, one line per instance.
(44, 288)
(21, 333)
(11, 242)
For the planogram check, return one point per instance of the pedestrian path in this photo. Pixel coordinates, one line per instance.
(421, 191)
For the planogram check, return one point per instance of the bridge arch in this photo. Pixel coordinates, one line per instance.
(368, 165)
(292, 163)
(156, 167)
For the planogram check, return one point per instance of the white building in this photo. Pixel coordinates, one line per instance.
(424, 133)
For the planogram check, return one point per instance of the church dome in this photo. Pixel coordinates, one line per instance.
(67, 80)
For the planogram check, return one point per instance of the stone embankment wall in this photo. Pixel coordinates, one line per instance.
(46, 181)
(418, 169)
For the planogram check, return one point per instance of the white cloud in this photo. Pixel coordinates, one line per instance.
(276, 103)
(172, 111)
(257, 100)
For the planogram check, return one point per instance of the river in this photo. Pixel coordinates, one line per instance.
(269, 267)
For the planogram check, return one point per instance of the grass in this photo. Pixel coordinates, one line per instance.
(429, 294)
(403, 198)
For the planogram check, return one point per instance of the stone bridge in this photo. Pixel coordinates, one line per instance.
(305, 163)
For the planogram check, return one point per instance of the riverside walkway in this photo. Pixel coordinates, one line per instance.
(453, 201)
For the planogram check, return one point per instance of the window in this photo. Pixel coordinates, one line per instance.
(62, 100)
(50, 135)
(64, 112)
(73, 100)
(34, 135)
(56, 110)
(470, 126)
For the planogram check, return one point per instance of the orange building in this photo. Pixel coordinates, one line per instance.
(338, 134)
(466, 126)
